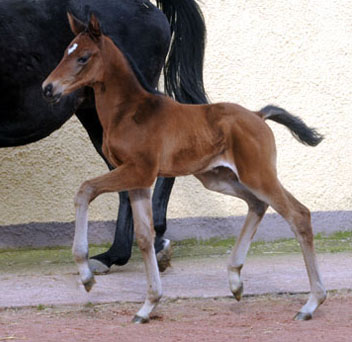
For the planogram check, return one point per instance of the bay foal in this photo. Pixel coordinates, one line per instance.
(227, 147)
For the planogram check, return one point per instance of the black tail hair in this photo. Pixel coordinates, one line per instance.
(183, 71)
(304, 134)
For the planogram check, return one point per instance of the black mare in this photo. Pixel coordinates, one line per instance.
(33, 37)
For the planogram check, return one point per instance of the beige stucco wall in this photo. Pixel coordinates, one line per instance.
(296, 54)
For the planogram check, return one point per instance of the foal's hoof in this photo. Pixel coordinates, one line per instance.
(303, 316)
(140, 320)
(97, 267)
(238, 293)
(89, 284)
(164, 256)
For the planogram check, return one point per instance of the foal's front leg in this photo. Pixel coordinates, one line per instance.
(80, 240)
(120, 251)
(160, 200)
(120, 179)
(143, 223)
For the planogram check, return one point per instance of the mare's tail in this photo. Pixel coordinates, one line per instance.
(304, 134)
(183, 71)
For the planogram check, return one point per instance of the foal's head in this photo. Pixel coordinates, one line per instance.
(82, 64)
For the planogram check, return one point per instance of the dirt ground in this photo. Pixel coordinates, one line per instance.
(258, 318)
(42, 300)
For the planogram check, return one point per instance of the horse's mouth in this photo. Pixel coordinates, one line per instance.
(54, 99)
(57, 98)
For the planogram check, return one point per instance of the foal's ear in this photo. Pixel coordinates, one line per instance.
(76, 25)
(94, 27)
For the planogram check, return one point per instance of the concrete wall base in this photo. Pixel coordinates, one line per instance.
(273, 227)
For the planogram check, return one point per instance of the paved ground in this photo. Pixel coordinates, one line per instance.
(188, 277)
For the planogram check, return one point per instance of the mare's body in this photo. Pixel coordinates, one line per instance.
(230, 149)
(33, 35)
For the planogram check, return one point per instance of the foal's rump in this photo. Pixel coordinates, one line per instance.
(198, 137)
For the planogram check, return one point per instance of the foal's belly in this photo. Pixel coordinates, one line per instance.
(189, 161)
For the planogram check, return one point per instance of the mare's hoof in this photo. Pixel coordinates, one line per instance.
(164, 256)
(97, 267)
(89, 284)
(238, 293)
(303, 316)
(140, 320)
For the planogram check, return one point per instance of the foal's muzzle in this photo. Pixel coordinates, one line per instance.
(48, 93)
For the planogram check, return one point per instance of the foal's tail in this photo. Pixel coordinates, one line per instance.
(183, 71)
(304, 134)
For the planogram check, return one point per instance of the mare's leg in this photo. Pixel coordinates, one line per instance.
(143, 223)
(298, 217)
(119, 179)
(225, 181)
(120, 251)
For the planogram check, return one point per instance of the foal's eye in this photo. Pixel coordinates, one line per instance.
(83, 59)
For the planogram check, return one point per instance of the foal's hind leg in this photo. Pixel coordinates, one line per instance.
(298, 217)
(225, 181)
(300, 222)
(256, 211)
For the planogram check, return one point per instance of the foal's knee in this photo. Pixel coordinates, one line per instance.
(145, 240)
(79, 254)
(84, 194)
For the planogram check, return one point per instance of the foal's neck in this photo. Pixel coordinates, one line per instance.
(120, 89)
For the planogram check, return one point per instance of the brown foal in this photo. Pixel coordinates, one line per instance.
(146, 134)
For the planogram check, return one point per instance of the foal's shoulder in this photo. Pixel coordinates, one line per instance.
(148, 107)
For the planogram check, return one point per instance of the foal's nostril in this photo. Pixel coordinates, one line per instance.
(48, 90)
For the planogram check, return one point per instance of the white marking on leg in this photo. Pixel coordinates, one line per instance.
(142, 218)
(318, 292)
(80, 241)
(72, 48)
(240, 250)
(154, 290)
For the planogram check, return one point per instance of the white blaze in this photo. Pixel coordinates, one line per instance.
(72, 48)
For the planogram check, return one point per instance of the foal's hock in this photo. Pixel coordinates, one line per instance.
(227, 147)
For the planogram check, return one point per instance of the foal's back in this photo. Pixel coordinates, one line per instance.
(192, 137)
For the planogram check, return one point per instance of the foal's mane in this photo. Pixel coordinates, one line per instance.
(137, 72)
